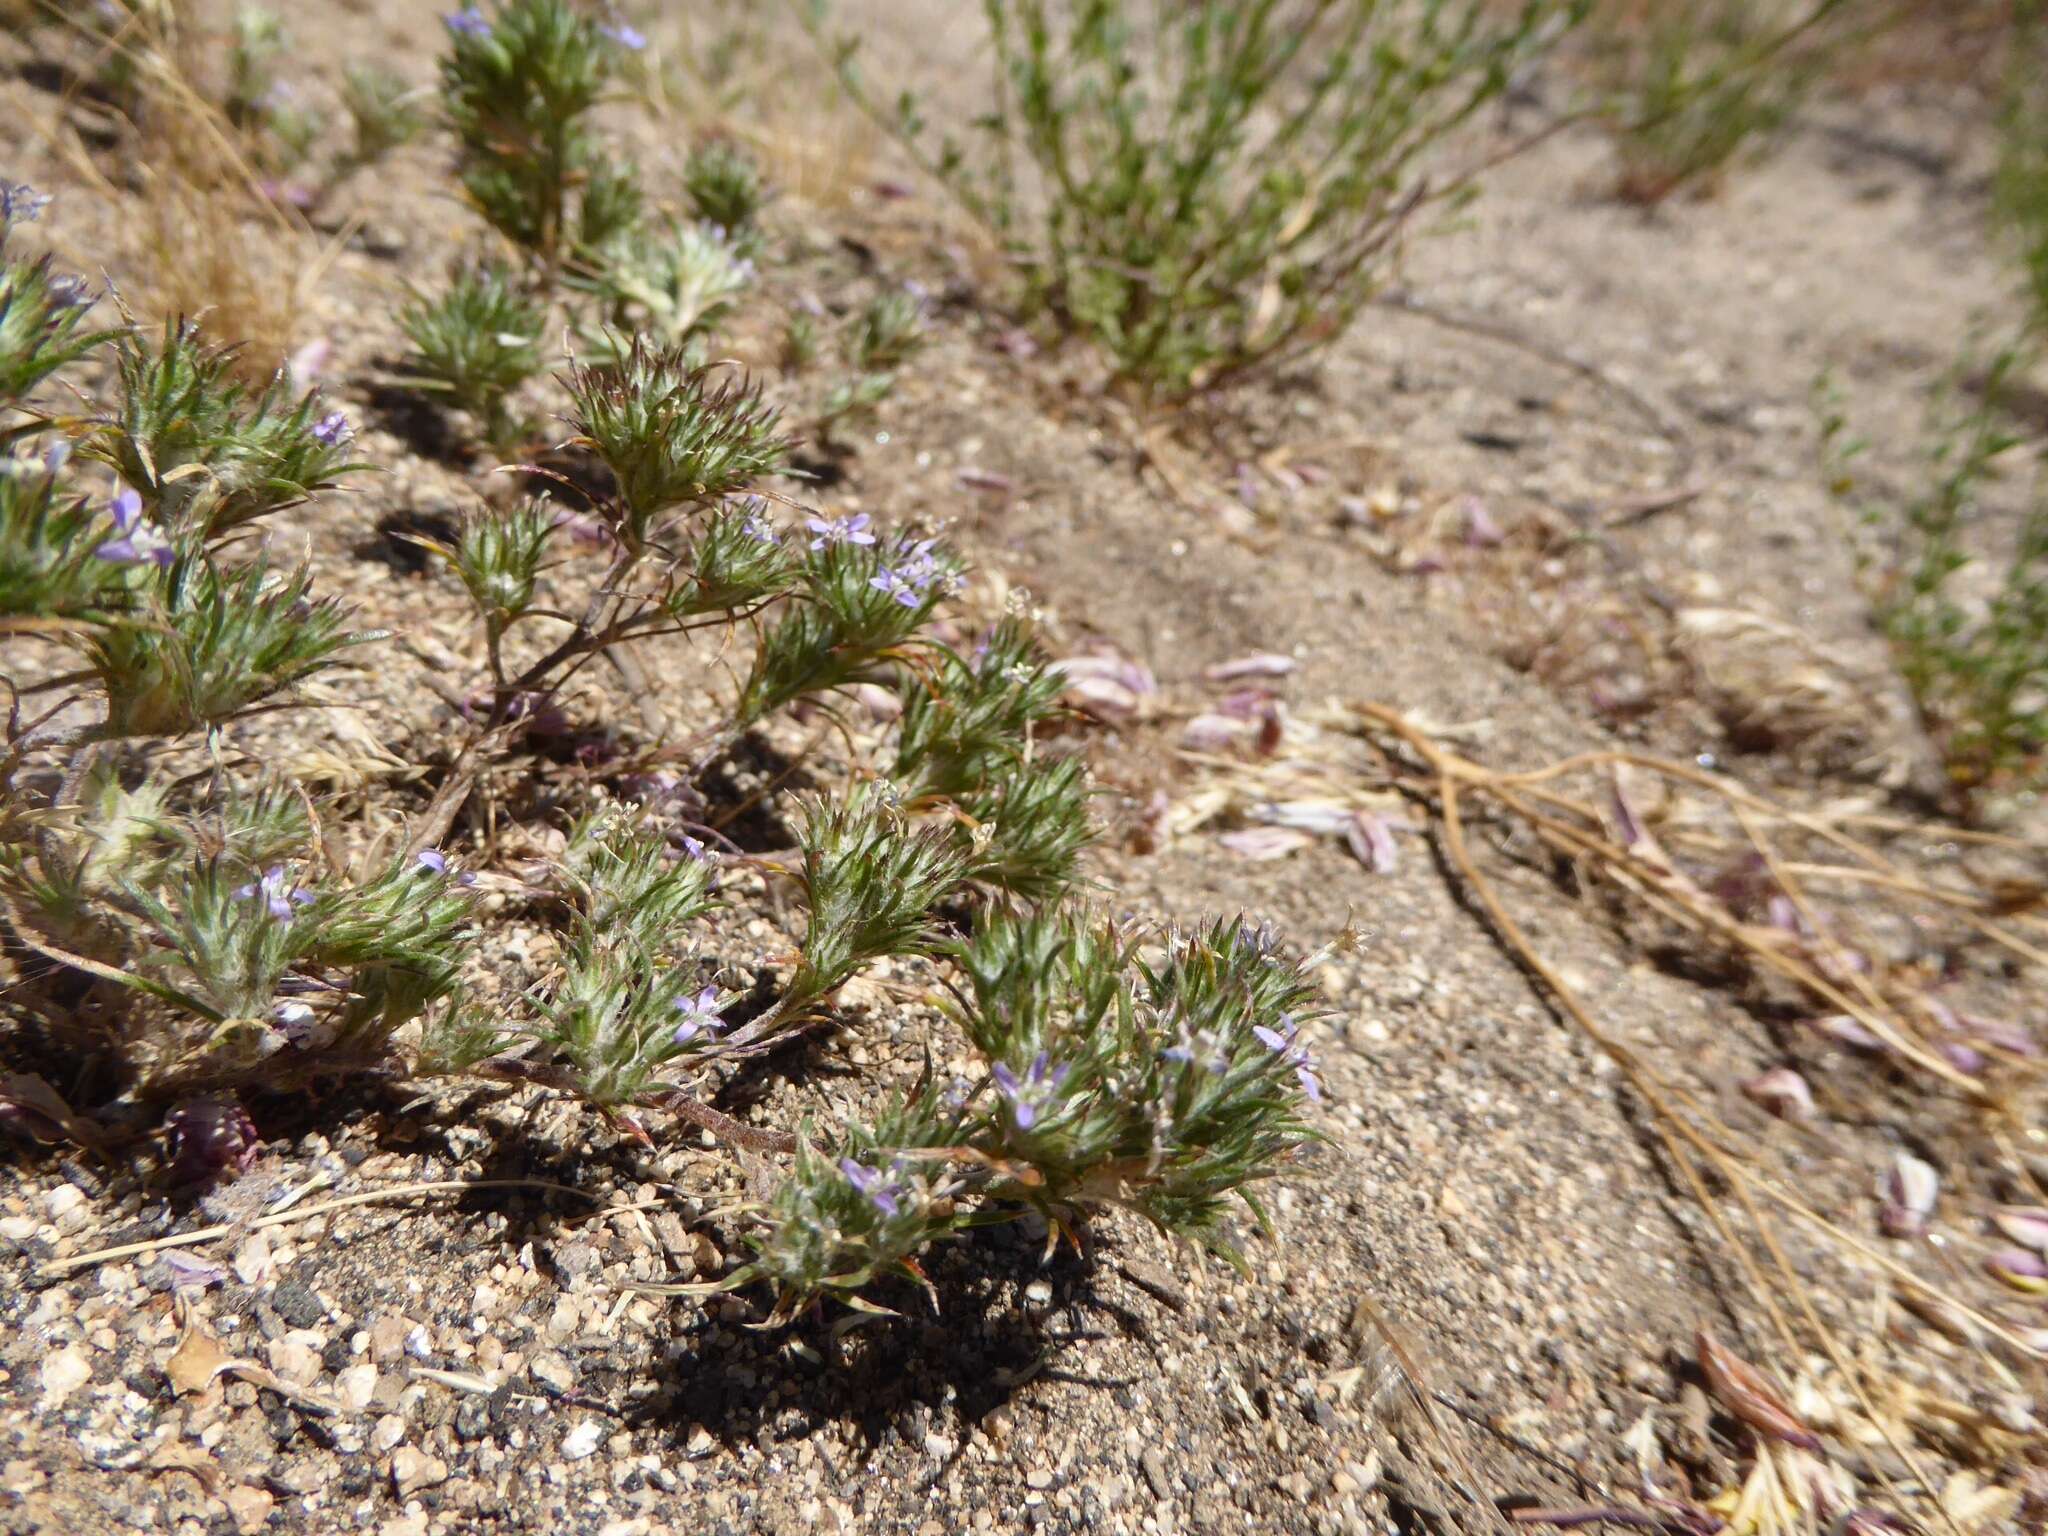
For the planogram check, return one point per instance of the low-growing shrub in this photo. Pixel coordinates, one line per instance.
(518, 85)
(1208, 189)
(477, 343)
(2020, 187)
(200, 932)
(1963, 596)
(1697, 85)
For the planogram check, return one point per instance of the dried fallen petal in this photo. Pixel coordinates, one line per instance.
(1265, 842)
(1783, 1092)
(1628, 823)
(2025, 1224)
(1213, 733)
(1479, 529)
(1326, 816)
(1109, 687)
(1261, 664)
(1966, 1059)
(1842, 1027)
(2001, 1035)
(2021, 1268)
(1104, 698)
(1247, 704)
(1909, 1192)
(1372, 842)
(188, 1271)
(1744, 1392)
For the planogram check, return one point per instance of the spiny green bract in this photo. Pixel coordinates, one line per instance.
(205, 644)
(241, 962)
(206, 453)
(47, 541)
(860, 1210)
(498, 558)
(612, 1019)
(670, 435)
(842, 622)
(725, 188)
(967, 734)
(673, 284)
(478, 341)
(870, 883)
(888, 330)
(976, 713)
(42, 325)
(738, 561)
(384, 112)
(517, 85)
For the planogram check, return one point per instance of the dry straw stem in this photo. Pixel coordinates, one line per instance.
(214, 246)
(810, 144)
(303, 1213)
(1689, 1133)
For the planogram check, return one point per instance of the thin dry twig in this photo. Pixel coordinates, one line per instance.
(1680, 1123)
(285, 1218)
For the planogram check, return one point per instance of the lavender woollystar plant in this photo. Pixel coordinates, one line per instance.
(135, 542)
(880, 1190)
(1028, 1096)
(333, 430)
(1294, 1053)
(699, 1016)
(22, 202)
(278, 893)
(840, 530)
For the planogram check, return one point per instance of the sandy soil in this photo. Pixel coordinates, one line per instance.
(1488, 1182)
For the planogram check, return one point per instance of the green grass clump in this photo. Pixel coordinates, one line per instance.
(1698, 85)
(1209, 189)
(1962, 599)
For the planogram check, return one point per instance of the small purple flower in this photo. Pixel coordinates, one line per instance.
(914, 562)
(758, 525)
(840, 530)
(278, 893)
(1184, 1053)
(700, 1016)
(467, 22)
(891, 582)
(880, 1191)
(58, 455)
(23, 202)
(134, 540)
(693, 847)
(1026, 1097)
(432, 858)
(1294, 1053)
(67, 292)
(627, 37)
(333, 430)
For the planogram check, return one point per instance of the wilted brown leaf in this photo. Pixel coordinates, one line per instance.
(196, 1361)
(1744, 1392)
